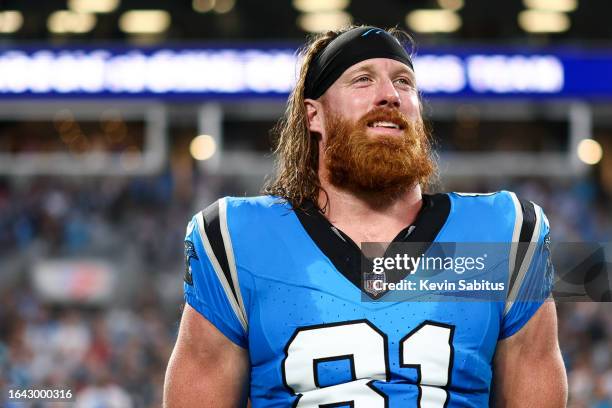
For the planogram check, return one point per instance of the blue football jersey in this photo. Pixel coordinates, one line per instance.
(285, 284)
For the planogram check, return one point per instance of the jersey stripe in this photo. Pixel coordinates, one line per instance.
(532, 226)
(229, 292)
(518, 223)
(229, 251)
(212, 228)
(528, 225)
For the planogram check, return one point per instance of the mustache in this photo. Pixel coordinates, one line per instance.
(380, 114)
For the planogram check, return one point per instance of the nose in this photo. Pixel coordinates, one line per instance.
(388, 95)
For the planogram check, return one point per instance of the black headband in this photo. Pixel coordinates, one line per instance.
(347, 49)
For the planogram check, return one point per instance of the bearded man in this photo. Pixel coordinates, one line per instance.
(276, 311)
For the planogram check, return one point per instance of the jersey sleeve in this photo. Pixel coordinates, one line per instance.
(531, 279)
(209, 286)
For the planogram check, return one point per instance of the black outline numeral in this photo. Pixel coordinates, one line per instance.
(418, 366)
(351, 359)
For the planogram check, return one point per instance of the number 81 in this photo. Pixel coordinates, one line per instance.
(428, 348)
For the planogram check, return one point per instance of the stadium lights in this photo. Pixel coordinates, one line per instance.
(218, 6)
(10, 21)
(322, 15)
(144, 21)
(538, 21)
(552, 5)
(322, 21)
(311, 6)
(93, 6)
(64, 21)
(432, 21)
(203, 6)
(224, 6)
(453, 5)
(589, 151)
(202, 147)
(111, 122)
(66, 126)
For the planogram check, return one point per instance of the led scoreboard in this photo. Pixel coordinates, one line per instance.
(245, 72)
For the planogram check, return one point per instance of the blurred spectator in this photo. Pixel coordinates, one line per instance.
(107, 358)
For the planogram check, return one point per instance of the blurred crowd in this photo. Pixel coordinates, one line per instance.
(64, 217)
(107, 355)
(585, 334)
(112, 357)
(578, 211)
(115, 355)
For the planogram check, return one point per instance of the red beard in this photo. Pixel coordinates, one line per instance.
(383, 164)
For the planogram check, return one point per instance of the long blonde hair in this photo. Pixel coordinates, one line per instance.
(296, 150)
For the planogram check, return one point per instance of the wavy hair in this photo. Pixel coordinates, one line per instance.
(296, 149)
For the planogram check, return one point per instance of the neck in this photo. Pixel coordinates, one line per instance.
(370, 216)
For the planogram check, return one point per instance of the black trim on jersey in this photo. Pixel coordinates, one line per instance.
(346, 254)
(451, 360)
(316, 361)
(527, 228)
(350, 404)
(212, 228)
(370, 384)
(529, 220)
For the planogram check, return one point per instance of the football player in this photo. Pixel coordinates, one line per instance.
(275, 310)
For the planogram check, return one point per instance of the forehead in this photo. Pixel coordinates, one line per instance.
(379, 65)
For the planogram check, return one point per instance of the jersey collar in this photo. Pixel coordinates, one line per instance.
(347, 256)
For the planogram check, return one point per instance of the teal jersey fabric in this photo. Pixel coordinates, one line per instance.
(281, 284)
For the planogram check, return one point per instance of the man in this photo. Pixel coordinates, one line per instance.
(275, 312)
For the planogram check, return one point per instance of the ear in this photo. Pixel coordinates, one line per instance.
(314, 115)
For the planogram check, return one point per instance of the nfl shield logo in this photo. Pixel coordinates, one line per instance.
(369, 280)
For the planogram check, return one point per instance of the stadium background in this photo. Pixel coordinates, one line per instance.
(97, 182)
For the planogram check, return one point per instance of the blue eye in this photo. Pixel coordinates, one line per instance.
(405, 81)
